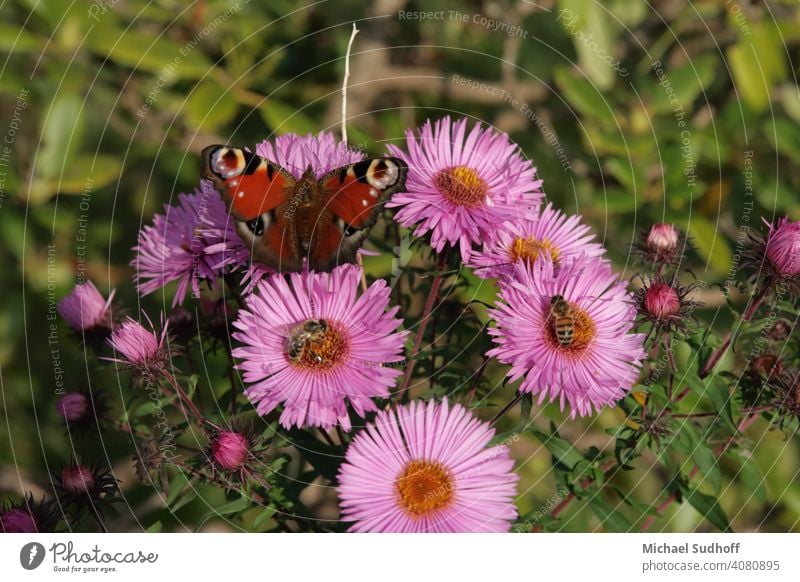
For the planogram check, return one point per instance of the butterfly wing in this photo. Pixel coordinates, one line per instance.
(255, 189)
(250, 185)
(355, 195)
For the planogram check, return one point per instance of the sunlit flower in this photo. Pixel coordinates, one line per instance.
(550, 234)
(427, 468)
(192, 242)
(312, 344)
(138, 347)
(566, 333)
(461, 186)
(296, 153)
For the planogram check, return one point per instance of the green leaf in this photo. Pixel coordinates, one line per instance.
(587, 23)
(686, 83)
(323, 458)
(283, 118)
(610, 519)
(711, 244)
(17, 40)
(88, 172)
(784, 137)
(751, 476)
(236, 506)
(142, 51)
(563, 452)
(706, 460)
(758, 63)
(586, 99)
(716, 390)
(210, 106)
(709, 508)
(263, 516)
(62, 133)
(155, 528)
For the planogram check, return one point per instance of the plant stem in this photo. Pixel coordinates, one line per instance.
(716, 356)
(423, 324)
(476, 382)
(506, 408)
(183, 398)
(745, 422)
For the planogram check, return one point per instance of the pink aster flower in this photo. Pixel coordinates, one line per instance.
(427, 468)
(312, 344)
(193, 241)
(138, 347)
(461, 186)
(87, 312)
(321, 152)
(550, 234)
(783, 247)
(567, 333)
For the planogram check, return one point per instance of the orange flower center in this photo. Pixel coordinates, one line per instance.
(424, 487)
(529, 249)
(462, 186)
(571, 332)
(317, 345)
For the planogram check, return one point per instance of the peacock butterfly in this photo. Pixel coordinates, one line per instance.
(286, 220)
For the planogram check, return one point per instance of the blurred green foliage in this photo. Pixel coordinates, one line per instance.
(633, 112)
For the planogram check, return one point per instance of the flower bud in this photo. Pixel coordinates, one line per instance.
(662, 238)
(85, 308)
(230, 449)
(783, 247)
(77, 480)
(662, 301)
(17, 520)
(73, 407)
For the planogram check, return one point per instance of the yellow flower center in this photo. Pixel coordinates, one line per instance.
(462, 186)
(571, 332)
(317, 345)
(529, 249)
(424, 487)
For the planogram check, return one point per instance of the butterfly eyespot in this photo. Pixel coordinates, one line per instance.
(382, 174)
(227, 162)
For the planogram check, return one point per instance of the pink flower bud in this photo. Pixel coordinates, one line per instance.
(783, 247)
(77, 480)
(661, 301)
(229, 450)
(73, 406)
(662, 238)
(17, 520)
(85, 307)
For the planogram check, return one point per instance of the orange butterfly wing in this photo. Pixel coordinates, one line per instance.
(250, 184)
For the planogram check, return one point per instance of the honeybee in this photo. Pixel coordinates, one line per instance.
(304, 334)
(563, 320)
